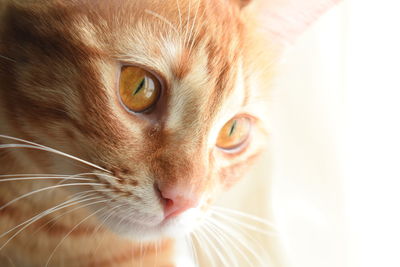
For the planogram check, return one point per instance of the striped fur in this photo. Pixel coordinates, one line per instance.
(58, 78)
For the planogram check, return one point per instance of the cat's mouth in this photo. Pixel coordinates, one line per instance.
(150, 211)
(141, 226)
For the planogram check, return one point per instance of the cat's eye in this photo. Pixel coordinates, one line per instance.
(139, 90)
(234, 133)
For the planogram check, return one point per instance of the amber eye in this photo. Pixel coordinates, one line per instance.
(139, 90)
(234, 133)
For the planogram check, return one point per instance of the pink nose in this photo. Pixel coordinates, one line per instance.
(176, 201)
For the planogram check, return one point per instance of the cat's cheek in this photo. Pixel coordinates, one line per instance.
(232, 174)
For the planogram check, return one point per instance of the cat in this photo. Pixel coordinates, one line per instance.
(122, 121)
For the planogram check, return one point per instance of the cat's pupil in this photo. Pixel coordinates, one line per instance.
(233, 128)
(140, 87)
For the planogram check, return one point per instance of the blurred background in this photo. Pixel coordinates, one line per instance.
(334, 174)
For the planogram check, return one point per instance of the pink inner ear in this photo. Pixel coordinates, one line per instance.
(286, 19)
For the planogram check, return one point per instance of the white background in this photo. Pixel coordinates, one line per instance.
(337, 120)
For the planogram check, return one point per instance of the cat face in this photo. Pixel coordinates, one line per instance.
(168, 98)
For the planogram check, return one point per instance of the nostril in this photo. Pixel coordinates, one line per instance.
(174, 203)
(167, 202)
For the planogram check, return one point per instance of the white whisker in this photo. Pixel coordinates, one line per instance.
(180, 14)
(192, 33)
(245, 225)
(44, 189)
(43, 178)
(52, 150)
(55, 219)
(37, 217)
(222, 236)
(224, 230)
(85, 195)
(193, 254)
(106, 175)
(141, 254)
(205, 246)
(186, 35)
(31, 175)
(155, 261)
(111, 212)
(79, 174)
(242, 214)
(246, 236)
(59, 244)
(220, 256)
(97, 229)
(221, 239)
(163, 19)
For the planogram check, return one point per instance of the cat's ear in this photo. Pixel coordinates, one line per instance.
(284, 20)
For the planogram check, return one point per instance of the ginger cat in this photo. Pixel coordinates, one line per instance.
(122, 121)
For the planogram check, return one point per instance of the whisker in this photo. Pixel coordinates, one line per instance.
(223, 237)
(186, 36)
(55, 219)
(158, 250)
(83, 193)
(127, 216)
(39, 215)
(7, 58)
(48, 149)
(220, 256)
(253, 239)
(141, 254)
(86, 194)
(85, 219)
(44, 189)
(212, 247)
(52, 151)
(189, 241)
(31, 175)
(242, 214)
(206, 249)
(245, 228)
(79, 174)
(192, 33)
(97, 229)
(224, 230)
(180, 14)
(112, 211)
(163, 19)
(245, 225)
(106, 175)
(43, 178)
(30, 221)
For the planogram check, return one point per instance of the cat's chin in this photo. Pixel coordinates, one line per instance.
(168, 228)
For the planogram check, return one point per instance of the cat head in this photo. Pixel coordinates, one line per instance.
(168, 98)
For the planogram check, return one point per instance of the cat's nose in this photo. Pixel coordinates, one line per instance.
(176, 201)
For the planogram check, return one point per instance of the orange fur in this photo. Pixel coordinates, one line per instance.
(58, 88)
